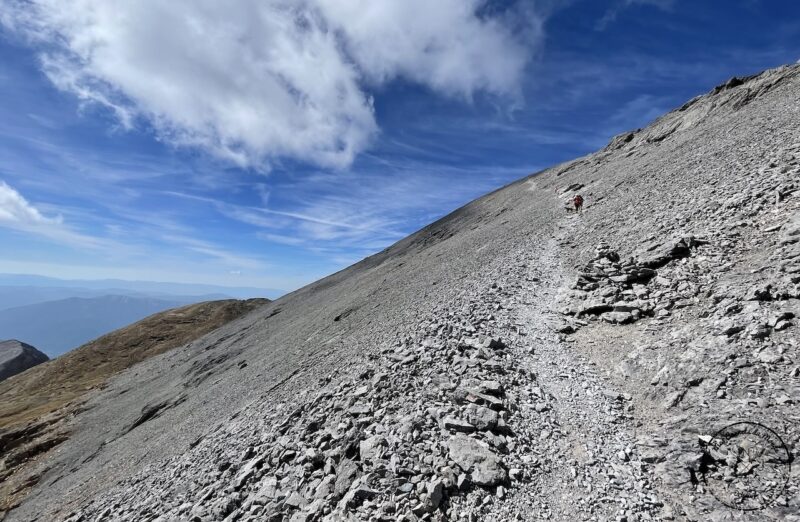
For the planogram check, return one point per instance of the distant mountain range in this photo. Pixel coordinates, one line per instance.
(57, 315)
(55, 327)
(150, 288)
(12, 296)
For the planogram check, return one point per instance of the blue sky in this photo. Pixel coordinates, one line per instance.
(271, 143)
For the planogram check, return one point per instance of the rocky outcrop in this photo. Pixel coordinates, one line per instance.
(16, 357)
(622, 292)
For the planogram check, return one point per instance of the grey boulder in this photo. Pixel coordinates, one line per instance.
(478, 460)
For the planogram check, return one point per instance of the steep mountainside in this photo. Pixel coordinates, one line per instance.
(510, 361)
(58, 326)
(16, 357)
(37, 406)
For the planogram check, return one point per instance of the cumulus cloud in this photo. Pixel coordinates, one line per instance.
(257, 80)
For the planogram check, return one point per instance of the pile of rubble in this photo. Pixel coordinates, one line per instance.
(360, 450)
(426, 423)
(618, 292)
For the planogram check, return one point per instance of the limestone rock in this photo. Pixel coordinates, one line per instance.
(475, 458)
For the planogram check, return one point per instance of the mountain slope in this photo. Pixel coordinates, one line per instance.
(58, 326)
(510, 360)
(16, 357)
(36, 406)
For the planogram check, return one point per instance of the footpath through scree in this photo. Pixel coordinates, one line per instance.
(580, 431)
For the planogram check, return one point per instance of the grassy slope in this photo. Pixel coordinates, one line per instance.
(36, 405)
(49, 386)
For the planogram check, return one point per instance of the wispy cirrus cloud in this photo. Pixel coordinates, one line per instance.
(215, 252)
(614, 11)
(321, 222)
(124, 234)
(346, 216)
(254, 81)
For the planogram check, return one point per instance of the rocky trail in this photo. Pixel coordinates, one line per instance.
(578, 426)
(512, 361)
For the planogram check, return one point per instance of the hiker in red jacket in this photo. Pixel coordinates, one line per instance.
(578, 202)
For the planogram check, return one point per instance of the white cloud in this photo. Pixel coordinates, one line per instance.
(18, 214)
(257, 80)
(639, 111)
(348, 215)
(212, 251)
(16, 211)
(441, 44)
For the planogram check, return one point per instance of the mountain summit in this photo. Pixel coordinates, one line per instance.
(511, 361)
(16, 357)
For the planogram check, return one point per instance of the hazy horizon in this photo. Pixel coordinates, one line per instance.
(143, 286)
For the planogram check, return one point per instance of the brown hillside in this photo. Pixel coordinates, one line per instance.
(36, 404)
